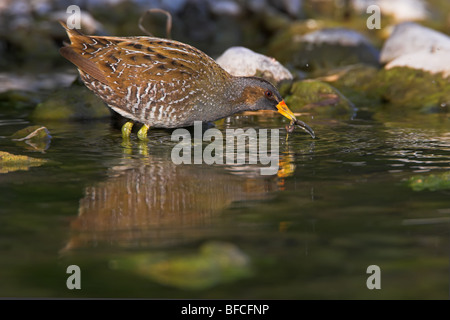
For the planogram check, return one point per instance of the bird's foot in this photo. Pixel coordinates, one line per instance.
(126, 129)
(142, 133)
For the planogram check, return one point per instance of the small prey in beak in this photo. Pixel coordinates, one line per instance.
(284, 110)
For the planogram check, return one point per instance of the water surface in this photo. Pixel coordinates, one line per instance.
(137, 224)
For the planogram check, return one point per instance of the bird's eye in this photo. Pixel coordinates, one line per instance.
(268, 94)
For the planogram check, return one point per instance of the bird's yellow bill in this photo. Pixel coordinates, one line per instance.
(284, 110)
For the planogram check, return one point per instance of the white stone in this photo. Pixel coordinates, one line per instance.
(410, 37)
(240, 61)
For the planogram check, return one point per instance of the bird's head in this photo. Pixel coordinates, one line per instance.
(259, 94)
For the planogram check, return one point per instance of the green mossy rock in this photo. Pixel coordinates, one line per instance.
(402, 88)
(432, 182)
(73, 103)
(413, 89)
(216, 263)
(355, 82)
(319, 99)
(319, 57)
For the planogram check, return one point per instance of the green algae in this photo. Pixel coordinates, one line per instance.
(432, 182)
(320, 99)
(11, 162)
(215, 263)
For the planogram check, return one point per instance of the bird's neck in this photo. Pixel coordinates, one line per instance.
(234, 93)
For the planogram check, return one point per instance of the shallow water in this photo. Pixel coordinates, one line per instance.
(137, 224)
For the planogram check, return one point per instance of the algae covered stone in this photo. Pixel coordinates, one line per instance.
(432, 182)
(356, 83)
(413, 90)
(319, 99)
(73, 103)
(330, 48)
(215, 263)
(434, 62)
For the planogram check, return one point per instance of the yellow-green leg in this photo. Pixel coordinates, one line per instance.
(142, 133)
(126, 129)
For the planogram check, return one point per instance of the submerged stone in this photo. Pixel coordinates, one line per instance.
(356, 83)
(36, 137)
(432, 182)
(320, 100)
(414, 90)
(397, 87)
(240, 61)
(73, 103)
(216, 263)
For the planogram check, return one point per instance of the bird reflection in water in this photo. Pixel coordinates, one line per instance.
(150, 200)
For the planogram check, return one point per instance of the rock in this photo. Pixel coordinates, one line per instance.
(356, 83)
(331, 48)
(34, 137)
(282, 46)
(400, 10)
(216, 263)
(435, 62)
(412, 89)
(11, 162)
(319, 99)
(410, 37)
(73, 103)
(240, 61)
(432, 182)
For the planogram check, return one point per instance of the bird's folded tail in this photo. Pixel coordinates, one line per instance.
(71, 53)
(72, 33)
